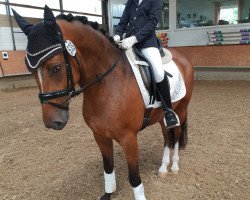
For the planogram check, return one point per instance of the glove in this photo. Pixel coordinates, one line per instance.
(129, 42)
(117, 38)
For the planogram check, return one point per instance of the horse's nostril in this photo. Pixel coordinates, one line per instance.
(58, 125)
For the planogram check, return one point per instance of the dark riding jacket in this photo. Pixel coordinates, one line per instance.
(141, 21)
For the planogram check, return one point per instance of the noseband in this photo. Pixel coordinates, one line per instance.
(70, 91)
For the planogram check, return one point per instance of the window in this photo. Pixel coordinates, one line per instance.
(116, 13)
(164, 20)
(228, 15)
(29, 12)
(2, 9)
(38, 3)
(244, 11)
(13, 38)
(90, 18)
(93, 6)
(193, 13)
(117, 10)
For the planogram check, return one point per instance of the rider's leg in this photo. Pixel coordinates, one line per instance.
(162, 84)
(154, 56)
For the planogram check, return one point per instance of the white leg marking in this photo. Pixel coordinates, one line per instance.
(165, 122)
(39, 73)
(110, 182)
(139, 192)
(165, 161)
(175, 167)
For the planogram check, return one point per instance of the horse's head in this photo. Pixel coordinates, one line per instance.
(53, 61)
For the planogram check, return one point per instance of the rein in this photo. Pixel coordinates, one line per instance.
(98, 78)
(70, 91)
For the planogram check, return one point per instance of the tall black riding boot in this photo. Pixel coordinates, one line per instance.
(171, 117)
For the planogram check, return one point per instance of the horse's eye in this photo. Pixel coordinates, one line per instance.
(56, 68)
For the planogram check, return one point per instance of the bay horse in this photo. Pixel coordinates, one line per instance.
(112, 106)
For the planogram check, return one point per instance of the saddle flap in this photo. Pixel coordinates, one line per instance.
(144, 68)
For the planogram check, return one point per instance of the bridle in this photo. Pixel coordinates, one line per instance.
(70, 91)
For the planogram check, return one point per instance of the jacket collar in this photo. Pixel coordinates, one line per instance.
(136, 2)
(143, 1)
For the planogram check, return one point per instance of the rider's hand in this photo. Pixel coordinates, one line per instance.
(117, 38)
(129, 42)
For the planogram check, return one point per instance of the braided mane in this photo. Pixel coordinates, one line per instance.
(83, 19)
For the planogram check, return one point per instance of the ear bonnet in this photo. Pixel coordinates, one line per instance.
(44, 39)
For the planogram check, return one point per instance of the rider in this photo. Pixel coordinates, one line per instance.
(137, 26)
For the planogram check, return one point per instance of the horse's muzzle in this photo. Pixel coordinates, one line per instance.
(58, 125)
(57, 120)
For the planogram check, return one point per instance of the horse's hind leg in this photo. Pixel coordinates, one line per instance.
(179, 134)
(130, 148)
(166, 153)
(175, 158)
(173, 138)
(106, 147)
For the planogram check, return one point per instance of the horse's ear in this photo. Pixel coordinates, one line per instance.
(50, 22)
(22, 23)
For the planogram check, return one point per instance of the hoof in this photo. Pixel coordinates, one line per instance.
(162, 174)
(175, 170)
(106, 196)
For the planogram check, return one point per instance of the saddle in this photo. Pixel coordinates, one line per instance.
(146, 69)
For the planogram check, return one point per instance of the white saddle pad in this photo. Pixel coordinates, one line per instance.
(177, 85)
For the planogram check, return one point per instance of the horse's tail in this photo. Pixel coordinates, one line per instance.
(183, 136)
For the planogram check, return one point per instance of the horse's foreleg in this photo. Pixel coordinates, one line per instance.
(130, 147)
(166, 153)
(106, 147)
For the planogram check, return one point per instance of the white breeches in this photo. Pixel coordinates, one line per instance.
(154, 56)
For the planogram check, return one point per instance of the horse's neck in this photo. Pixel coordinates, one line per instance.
(116, 93)
(97, 53)
(98, 56)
